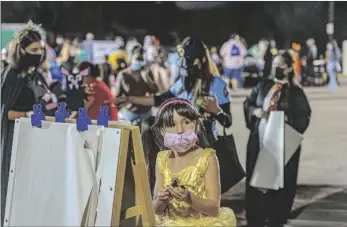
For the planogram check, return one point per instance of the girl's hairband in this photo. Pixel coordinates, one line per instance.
(173, 102)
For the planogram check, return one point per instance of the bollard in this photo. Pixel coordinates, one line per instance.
(344, 58)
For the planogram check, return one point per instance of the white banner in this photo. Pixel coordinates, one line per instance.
(102, 48)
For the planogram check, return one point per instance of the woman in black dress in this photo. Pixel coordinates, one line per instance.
(22, 87)
(277, 94)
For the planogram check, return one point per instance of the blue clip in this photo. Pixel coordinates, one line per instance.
(61, 113)
(38, 116)
(82, 121)
(103, 117)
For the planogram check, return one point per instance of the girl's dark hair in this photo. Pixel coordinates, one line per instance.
(94, 70)
(28, 34)
(153, 139)
(164, 118)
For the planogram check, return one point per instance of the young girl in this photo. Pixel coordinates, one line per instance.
(187, 187)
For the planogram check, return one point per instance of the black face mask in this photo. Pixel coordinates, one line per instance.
(279, 73)
(30, 60)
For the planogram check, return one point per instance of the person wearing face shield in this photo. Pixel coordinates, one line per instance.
(135, 81)
(277, 94)
(22, 87)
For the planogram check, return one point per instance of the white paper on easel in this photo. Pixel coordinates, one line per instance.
(39, 176)
(109, 165)
(81, 169)
(92, 206)
(268, 172)
(293, 140)
(53, 175)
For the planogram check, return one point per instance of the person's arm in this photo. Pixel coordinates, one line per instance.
(64, 55)
(165, 78)
(249, 105)
(158, 205)
(12, 115)
(223, 50)
(155, 100)
(211, 204)
(119, 91)
(89, 102)
(301, 116)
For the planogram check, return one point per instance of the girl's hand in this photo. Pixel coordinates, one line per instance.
(164, 195)
(210, 105)
(180, 193)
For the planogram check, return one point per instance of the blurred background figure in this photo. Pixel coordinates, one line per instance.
(97, 92)
(119, 59)
(152, 50)
(233, 53)
(4, 63)
(173, 58)
(333, 55)
(131, 43)
(106, 70)
(265, 53)
(216, 58)
(86, 47)
(273, 47)
(89, 36)
(136, 80)
(295, 53)
(309, 54)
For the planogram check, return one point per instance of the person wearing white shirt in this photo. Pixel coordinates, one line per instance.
(233, 53)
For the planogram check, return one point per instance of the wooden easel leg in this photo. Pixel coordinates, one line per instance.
(119, 187)
(142, 181)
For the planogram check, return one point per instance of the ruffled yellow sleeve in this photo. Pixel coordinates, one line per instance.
(204, 160)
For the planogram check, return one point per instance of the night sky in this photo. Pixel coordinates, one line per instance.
(213, 22)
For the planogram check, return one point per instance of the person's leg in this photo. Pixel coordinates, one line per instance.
(332, 77)
(239, 77)
(228, 74)
(233, 78)
(255, 212)
(281, 201)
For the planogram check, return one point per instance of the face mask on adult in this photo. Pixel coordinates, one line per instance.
(180, 143)
(137, 65)
(278, 73)
(30, 60)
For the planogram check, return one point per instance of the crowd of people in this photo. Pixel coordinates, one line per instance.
(182, 103)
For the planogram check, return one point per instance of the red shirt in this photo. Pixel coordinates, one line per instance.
(102, 94)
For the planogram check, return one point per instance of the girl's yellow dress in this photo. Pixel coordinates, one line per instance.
(192, 177)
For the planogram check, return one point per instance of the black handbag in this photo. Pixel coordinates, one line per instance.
(231, 171)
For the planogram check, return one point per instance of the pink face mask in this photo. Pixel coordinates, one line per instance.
(180, 142)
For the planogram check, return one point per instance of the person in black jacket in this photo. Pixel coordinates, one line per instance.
(270, 95)
(22, 87)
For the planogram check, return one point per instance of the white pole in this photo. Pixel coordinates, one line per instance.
(344, 57)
